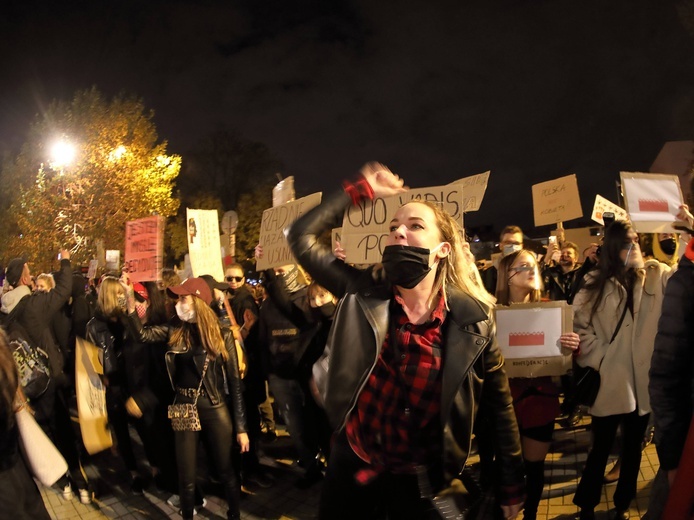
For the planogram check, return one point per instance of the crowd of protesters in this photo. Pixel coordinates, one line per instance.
(384, 376)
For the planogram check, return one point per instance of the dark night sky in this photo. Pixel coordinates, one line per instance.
(532, 90)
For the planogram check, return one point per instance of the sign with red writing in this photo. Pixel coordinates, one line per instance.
(144, 248)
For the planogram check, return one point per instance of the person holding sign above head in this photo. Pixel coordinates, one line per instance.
(536, 399)
(413, 357)
(616, 316)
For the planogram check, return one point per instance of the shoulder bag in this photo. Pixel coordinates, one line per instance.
(587, 379)
(42, 457)
(184, 416)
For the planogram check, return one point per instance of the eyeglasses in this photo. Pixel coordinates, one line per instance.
(236, 279)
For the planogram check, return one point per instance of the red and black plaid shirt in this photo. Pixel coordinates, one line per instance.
(396, 423)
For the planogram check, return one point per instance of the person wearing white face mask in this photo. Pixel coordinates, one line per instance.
(616, 316)
(510, 241)
(201, 357)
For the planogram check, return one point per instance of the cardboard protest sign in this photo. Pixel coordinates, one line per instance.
(276, 251)
(365, 226)
(652, 200)
(203, 242)
(144, 248)
(602, 205)
(336, 237)
(474, 188)
(528, 336)
(91, 397)
(556, 201)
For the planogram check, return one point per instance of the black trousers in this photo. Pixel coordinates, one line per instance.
(388, 495)
(217, 432)
(604, 430)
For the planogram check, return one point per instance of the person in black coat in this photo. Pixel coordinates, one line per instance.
(671, 378)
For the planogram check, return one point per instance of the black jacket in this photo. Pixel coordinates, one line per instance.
(216, 371)
(671, 377)
(38, 315)
(473, 374)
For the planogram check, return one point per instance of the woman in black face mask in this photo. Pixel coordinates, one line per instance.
(664, 247)
(411, 346)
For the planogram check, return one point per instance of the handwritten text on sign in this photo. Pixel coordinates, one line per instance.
(276, 251)
(144, 248)
(365, 226)
(556, 201)
(473, 190)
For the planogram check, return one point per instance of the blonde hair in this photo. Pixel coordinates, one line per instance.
(458, 268)
(48, 278)
(208, 327)
(107, 300)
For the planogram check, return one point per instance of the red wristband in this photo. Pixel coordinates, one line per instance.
(358, 191)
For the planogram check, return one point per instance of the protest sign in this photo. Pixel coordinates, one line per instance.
(203, 242)
(652, 200)
(602, 205)
(474, 188)
(91, 272)
(276, 251)
(144, 248)
(365, 226)
(336, 237)
(112, 259)
(556, 201)
(91, 397)
(528, 336)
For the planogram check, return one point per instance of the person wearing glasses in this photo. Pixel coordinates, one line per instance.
(535, 399)
(616, 316)
(246, 314)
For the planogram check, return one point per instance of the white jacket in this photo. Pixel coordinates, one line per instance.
(625, 362)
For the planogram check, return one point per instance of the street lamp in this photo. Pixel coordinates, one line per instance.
(62, 154)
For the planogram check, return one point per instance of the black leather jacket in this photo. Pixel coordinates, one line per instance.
(473, 374)
(216, 371)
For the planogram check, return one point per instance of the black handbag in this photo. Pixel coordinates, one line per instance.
(587, 379)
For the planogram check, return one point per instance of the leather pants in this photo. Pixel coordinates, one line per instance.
(217, 432)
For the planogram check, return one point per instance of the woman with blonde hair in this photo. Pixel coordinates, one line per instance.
(413, 358)
(201, 357)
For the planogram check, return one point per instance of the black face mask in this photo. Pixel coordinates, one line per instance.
(325, 311)
(668, 246)
(406, 266)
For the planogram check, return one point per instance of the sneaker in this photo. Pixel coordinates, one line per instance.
(175, 502)
(85, 496)
(67, 492)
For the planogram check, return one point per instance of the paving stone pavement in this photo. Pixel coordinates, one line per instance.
(284, 501)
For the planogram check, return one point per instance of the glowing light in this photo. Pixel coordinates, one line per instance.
(62, 154)
(118, 152)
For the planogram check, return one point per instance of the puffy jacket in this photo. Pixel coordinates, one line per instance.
(216, 371)
(671, 385)
(473, 374)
